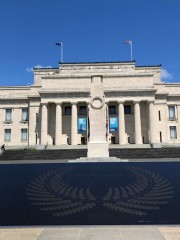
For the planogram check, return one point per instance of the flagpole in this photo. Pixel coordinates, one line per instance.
(61, 52)
(60, 44)
(129, 42)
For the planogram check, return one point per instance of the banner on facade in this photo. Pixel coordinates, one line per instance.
(113, 124)
(82, 125)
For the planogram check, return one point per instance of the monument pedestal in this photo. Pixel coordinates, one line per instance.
(98, 119)
(98, 149)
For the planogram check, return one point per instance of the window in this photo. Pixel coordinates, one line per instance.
(67, 111)
(25, 114)
(8, 116)
(127, 109)
(173, 132)
(36, 117)
(159, 115)
(24, 134)
(171, 110)
(82, 110)
(7, 135)
(160, 137)
(112, 110)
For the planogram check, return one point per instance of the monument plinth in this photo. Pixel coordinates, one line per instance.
(97, 145)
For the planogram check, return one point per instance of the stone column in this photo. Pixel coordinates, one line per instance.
(137, 118)
(58, 126)
(178, 117)
(122, 134)
(44, 123)
(107, 116)
(74, 124)
(151, 122)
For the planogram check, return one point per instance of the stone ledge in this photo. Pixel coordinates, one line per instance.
(98, 159)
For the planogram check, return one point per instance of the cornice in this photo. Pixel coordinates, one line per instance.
(131, 90)
(49, 91)
(105, 75)
(5, 88)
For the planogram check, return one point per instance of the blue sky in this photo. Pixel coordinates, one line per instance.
(91, 30)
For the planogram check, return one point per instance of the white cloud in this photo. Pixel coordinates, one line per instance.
(165, 75)
(30, 69)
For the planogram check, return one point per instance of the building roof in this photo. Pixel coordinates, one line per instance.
(96, 62)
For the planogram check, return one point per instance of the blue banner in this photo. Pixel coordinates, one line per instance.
(82, 125)
(113, 124)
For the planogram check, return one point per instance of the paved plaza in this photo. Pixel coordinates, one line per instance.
(92, 233)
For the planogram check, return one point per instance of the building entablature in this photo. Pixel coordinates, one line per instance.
(13, 100)
(131, 93)
(105, 75)
(52, 95)
(56, 91)
(173, 99)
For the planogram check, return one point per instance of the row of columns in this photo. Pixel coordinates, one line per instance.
(74, 114)
(58, 124)
(137, 119)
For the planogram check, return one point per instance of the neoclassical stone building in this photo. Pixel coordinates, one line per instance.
(140, 108)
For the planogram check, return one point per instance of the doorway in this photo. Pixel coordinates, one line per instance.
(83, 141)
(113, 140)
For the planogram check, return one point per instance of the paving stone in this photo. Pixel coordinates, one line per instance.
(100, 234)
(141, 233)
(170, 233)
(19, 233)
(59, 234)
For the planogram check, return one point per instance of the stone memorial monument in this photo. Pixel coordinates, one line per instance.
(98, 120)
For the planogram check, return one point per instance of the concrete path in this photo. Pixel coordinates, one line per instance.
(92, 233)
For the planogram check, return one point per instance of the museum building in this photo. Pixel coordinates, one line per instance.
(54, 110)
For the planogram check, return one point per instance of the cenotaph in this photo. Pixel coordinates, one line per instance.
(98, 122)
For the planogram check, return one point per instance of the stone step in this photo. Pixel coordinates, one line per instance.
(98, 159)
(59, 154)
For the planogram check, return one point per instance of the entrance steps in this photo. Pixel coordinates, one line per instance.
(98, 159)
(112, 146)
(68, 154)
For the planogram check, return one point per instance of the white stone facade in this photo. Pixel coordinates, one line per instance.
(147, 110)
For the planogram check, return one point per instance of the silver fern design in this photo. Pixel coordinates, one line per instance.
(148, 192)
(56, 192)
(50, 193)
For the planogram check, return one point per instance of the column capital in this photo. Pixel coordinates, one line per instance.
(151, 101)
(43, 104)
(121, 101)
(58, 103)
(136, 101)
(74, 103)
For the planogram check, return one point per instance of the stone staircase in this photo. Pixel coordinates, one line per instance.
(43, 154)
(141, 153)
(61, 154)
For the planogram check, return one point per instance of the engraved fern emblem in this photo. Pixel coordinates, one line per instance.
(50, 193)
(54, 192)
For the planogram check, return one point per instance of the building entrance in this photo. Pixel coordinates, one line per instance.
(113, 140)
(83, 141)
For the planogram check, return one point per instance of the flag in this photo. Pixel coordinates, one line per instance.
(88, 126)
(58, 44)
(129, 42)
(107, 124)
